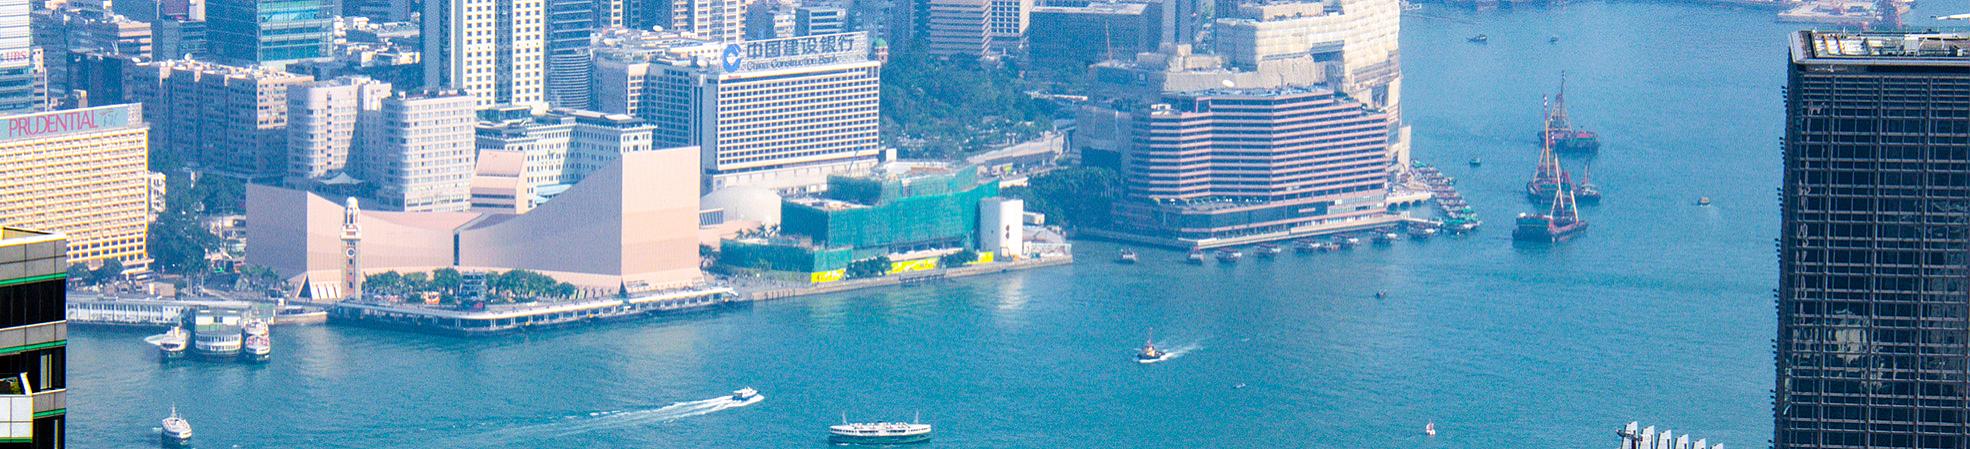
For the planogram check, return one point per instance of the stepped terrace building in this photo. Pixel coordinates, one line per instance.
(1239, 166)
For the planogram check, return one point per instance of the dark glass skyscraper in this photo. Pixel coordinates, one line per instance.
(1873, 347)
(34, 330)
(570, 24)
(248, 32)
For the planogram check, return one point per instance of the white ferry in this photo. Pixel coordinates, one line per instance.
(878, 433)
(171, 343)
(177, 431)
(259, 343)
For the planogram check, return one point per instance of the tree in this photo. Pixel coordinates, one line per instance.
(417, 282)
(1072, 197)
(385, 282)
(447, 280)
(79, 273)
(958, 258)
(872, 267)
(947, 107)
(111, 270)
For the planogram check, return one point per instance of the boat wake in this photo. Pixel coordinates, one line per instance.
(617, 419)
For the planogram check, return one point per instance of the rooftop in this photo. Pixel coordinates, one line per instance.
(10, 236)
(1902, 46)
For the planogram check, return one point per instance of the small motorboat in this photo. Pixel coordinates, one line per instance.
(1475, 162)
(1381, 295)
(744, 394)
(1430, 429)
(1269, 250)
(1128, 256)
(1196, 256)
(1479, 39)
(1553, 40)
(1703, 201)
(177, 431)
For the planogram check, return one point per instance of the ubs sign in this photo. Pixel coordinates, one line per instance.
(794, 52)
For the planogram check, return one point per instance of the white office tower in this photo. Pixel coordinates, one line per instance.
(781, 114)
(321, 123)
(418, 153)
(493, 50)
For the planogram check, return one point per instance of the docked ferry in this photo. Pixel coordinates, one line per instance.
(258, 342)
(878, 433)
(217, 334)
(172, 343)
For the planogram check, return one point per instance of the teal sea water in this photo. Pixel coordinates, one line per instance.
(1662, 313)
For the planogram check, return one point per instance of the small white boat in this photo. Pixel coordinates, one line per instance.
(878, 432)
(1128, 256)
(1430, 429)
(177, 431)
(746, 394)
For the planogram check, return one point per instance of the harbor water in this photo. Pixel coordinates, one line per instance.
(1661, 313)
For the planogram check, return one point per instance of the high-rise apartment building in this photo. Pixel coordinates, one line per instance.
(81, 172)
(1874, 250)
(781, 114)
(268, 32)
(570, 27)
(33, 304)
(174, 38)
(418, 154)
(73, 28)
(719, 20)
(223, 119)
(1252, 164)
(493, 50)
(322, 121)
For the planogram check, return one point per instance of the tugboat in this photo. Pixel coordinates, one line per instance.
(1703, 201)
(1308, 246)
(1196, 256)
(1587, 193)
(1269, 250)
(177, 431)
(883, 433)
(1479, 39)
(1386, 237)
(1559, 128)
(1421, 232)
(1128, 256)
(1228, 255)
(172, 343)
(1558, 224)
(259, 344)
(1149, 354)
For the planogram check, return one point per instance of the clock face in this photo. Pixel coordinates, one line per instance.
(352, 252)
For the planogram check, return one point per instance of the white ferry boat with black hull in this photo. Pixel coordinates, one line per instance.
(882, 433)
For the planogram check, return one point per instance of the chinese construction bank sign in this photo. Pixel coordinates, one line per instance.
(57, 123)
(794, 52)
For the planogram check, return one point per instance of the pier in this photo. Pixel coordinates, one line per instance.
(906, 279)
(501, 319)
